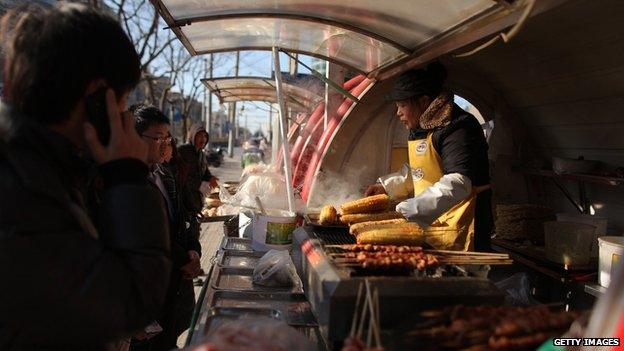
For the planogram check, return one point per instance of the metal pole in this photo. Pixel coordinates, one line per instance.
(209, 116)
(326, 116)
(283, 131)
(232, 116)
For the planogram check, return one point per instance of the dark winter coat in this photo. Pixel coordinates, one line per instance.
(67, 284)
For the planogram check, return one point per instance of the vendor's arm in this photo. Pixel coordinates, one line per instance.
(459, 150)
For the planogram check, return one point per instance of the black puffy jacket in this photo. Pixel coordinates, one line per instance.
(67, 285)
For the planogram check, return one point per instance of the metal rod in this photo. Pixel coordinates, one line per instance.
(283, 125)
(568, 195)
(209, 114)
(329, 82)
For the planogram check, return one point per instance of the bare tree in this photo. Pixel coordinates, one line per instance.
(144, 27)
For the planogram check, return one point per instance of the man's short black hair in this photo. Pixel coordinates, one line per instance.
(52, 52)
(147, 116)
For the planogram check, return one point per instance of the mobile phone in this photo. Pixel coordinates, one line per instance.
(97, 114)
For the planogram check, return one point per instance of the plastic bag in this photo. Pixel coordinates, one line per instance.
(517, 289)
(276, 268)
(259, 334)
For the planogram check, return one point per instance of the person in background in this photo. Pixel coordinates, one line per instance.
(192, 155)
(69, 283)
(153, 125)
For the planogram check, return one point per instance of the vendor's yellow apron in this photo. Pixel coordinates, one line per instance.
(454, 229)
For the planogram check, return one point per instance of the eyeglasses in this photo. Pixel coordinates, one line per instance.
(166, 139)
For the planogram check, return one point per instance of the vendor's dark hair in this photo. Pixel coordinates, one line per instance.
(52, 52)
(435, 76)
(147, 116)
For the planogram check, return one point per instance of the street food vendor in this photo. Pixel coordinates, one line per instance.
(446, 186)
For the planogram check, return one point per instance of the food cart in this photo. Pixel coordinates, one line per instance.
(530, 86)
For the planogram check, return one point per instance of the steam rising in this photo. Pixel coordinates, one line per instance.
(334, 188)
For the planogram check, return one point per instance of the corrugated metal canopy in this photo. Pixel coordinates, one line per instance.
(363, 35)
(232, 89)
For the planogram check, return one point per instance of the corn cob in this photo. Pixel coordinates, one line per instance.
(392, 234)
(359, 227)
(328, 215)
(369, 217)
(369, 204)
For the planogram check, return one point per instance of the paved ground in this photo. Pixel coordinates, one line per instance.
(212, 233)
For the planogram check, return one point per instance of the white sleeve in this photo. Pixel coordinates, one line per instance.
(398, 185)
(425, 208)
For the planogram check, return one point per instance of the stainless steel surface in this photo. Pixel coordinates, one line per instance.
(595, 289)
(240, 279)
(294, 308)
(238, 259)
(237, 244)
(218, 316)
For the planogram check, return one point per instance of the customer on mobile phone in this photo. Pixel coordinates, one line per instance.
(70, 283)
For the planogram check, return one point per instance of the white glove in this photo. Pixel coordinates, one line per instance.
(398, 185)
(425, 208)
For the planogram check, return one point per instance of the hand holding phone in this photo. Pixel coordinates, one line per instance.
(114, 137)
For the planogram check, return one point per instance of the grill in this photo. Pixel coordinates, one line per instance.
(331, 289)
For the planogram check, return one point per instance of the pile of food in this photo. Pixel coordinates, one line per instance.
(490, 328)
(372, 223)
(520, 222)
(388, 257)
(392, 258)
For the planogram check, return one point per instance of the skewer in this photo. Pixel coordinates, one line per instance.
(355, 312)
(362, 317)
(378, 320)
(371, 307)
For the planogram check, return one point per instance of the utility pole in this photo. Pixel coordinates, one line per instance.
(208, 93)
(232, 115)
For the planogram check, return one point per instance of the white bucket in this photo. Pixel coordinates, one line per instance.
(273, 231)
(569, 243)
(611, 252)
(599, 222)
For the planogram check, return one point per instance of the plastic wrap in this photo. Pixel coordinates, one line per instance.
(276, 268)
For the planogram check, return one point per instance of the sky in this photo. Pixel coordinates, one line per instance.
(252, 63)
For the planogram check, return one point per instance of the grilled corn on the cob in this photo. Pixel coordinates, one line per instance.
(368, 217)
(328, 215)
(359, 227)
(368, 204)
(392, 234)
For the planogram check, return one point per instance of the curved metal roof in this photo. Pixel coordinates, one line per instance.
(363, 35)
(232, 89)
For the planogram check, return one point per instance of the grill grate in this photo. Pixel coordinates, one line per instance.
(334, 238)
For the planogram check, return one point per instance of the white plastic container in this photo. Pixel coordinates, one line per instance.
(611, 251)
(599, 222)
(569, 243)
(273, 231)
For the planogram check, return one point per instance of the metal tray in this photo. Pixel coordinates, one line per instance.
(218, 316)
(240, 279)
(294, 308)
(236, 244)
(239, 259)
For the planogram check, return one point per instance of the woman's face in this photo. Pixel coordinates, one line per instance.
(167, 152)
(409, 111)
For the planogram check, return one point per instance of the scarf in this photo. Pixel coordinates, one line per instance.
(438, 114)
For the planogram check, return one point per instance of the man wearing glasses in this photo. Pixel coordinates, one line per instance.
(153, 126)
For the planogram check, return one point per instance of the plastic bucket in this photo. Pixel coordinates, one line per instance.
(611, 250)
(599, 222)
(569, 243)
(273, 231)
